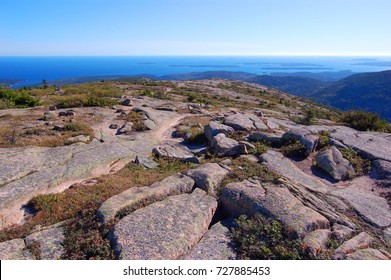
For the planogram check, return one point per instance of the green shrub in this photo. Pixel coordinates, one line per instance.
(266, 239)
(260, 148)
(16, 98)
(308, 118)
(294, 148)
(242, 169)
(76, 127)
(365, 121)
(361, 166)
(324, 139)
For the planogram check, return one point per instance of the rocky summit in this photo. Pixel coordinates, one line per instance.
(184, 169)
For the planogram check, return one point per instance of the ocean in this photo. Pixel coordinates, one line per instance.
(32, 70)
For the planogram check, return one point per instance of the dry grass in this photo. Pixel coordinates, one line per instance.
(15, 134)
(53, 208)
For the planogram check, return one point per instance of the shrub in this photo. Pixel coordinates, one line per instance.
(20, 99)
(260, 148)
(324, 139)
(137, 119)
(79, 127)
(84, 239)
(361, 166)
(266, 239)
(308, 118)
(365, 121)
(242, 169)
(294, 148)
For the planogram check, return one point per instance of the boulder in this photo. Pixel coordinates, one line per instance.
(113, 126)
(52, 108)
(383, 171)
(49, 116)
(309, 140)
(149, 124)
(15, 250)
(272, 201)
(316, 241)
(273, 138)
(134, 198)
(166, 107)
(50, 242)
(372, 145)
(146, 161)
(367, 254)
(360, 241)
(372, 208)
(79, 138)
(69, 113)
(164, 230)
(341, 232)
(332, 161)
(127, 102)
(208, 176)
(245, 122)
(214, 128)
(217, 244)
(173, 151)
(224, 146)
(126, 128)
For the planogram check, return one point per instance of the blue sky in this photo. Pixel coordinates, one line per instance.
(195, 27)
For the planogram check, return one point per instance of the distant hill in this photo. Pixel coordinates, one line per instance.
(326, 76)
(367, 91)
(9, 82)
(300, 86)
(237, 76)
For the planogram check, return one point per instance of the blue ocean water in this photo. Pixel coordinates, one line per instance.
(31, 70)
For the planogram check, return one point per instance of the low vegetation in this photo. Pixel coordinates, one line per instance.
(265, 239)
(365, 121)
(136, 118)
(242, 169)
(84, 235)
(16, 99)
(294, 149)
(361, 166)
(14, 134)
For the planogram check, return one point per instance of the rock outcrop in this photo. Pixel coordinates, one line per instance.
(245, 122)
(316, 241)
(224, 146)
(372, 208)
(15, 250)
(272, 201)
(360, 241)
(135, 198)
(383, 170)
(49, 242)
(175, 152)
(332, 161)
(214, 128)
(208, 176)
(279, 164)
(308, 139)
(217, 244)
(164, 230)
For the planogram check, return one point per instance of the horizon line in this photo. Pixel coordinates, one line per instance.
(204, 55)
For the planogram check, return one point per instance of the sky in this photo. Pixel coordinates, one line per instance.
(195, 27)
